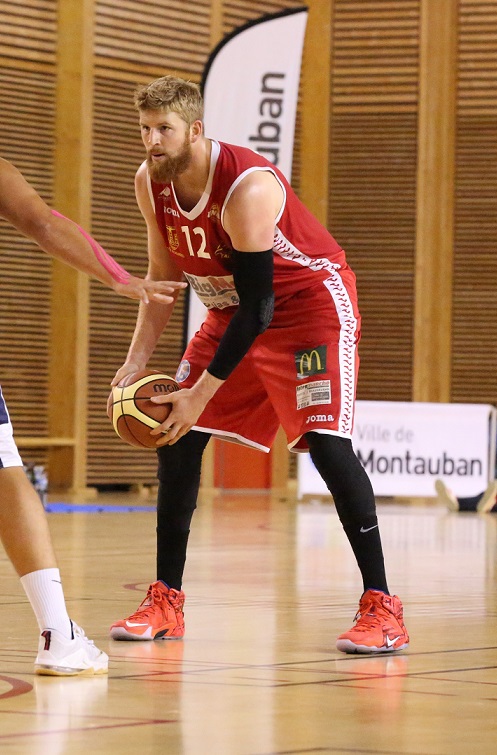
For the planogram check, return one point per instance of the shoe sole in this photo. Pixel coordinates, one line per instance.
(346, 646)
(120, 633)
(64, 671)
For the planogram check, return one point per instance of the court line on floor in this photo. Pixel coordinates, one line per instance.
(58, 507)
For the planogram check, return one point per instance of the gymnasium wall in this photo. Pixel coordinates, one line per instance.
(362, 155)
(372, 179)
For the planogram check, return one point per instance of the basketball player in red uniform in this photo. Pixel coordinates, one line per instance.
(278, 346)
(64, 649)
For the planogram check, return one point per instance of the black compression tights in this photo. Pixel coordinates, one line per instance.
(349, 484)
(179, 480)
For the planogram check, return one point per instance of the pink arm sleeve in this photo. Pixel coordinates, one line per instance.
(118, 273)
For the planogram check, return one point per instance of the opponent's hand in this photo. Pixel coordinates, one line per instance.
(148, 290)
(126, 369)
(187, 408)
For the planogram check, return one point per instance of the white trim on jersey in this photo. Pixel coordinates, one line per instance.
(240, 178)
(202, 202)
(288, 251)
(347, 349)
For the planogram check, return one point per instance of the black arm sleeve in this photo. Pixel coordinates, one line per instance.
(253, 277)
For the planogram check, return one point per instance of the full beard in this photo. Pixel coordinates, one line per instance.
(169, 168)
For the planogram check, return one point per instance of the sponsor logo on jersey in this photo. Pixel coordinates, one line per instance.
(172, 239)
(310, 362)
(311, 394)
(222, 252)
(171, 211)
(215, 291)
(214, 211)
(183, 371)
(165, 192)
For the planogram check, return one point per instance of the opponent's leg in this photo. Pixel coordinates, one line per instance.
(63, 647)
(23, 524)
(160, 615)
(380, 625)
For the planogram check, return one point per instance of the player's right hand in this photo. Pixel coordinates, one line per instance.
(148, 290)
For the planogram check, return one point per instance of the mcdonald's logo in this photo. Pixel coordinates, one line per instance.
(310, 362)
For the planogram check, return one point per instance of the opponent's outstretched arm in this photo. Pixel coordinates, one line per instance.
(21, 206)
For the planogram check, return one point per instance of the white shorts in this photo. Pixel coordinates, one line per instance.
(9, 455)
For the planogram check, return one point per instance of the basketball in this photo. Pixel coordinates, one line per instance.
(132, 413)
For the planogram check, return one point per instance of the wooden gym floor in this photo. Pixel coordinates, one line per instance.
(269, 585)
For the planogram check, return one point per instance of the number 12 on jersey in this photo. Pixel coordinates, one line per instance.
(198, 231)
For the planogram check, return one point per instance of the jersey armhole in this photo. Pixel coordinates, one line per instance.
(240, 178)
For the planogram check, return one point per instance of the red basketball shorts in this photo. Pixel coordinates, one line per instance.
(300, 373)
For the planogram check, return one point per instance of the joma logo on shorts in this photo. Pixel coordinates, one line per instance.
(319, 418)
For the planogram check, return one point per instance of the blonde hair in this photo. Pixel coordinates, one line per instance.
(171, 93)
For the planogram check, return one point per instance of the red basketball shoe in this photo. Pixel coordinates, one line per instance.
(158, 617)
(379, 626)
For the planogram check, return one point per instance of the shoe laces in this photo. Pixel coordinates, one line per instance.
(80, 633)
(177, 599)
(371, 613)
(153, 600)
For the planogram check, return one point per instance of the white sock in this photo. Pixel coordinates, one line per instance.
(45, 593)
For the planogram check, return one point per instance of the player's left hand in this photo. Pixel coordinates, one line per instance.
(187, 408)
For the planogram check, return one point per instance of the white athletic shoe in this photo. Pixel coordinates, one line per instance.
(58, 656)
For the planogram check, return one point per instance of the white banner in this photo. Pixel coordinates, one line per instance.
(405, 447)
(250, 88)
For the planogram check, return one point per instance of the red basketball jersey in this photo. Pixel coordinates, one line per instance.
(304, 252)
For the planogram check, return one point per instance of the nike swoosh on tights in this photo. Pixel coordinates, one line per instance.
(368, 529)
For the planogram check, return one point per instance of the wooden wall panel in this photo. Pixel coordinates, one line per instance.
(435, 202)
(140, 36)
(238, 12)
(28, 30)
(372, 194)
(27, 103)
(474, 327)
